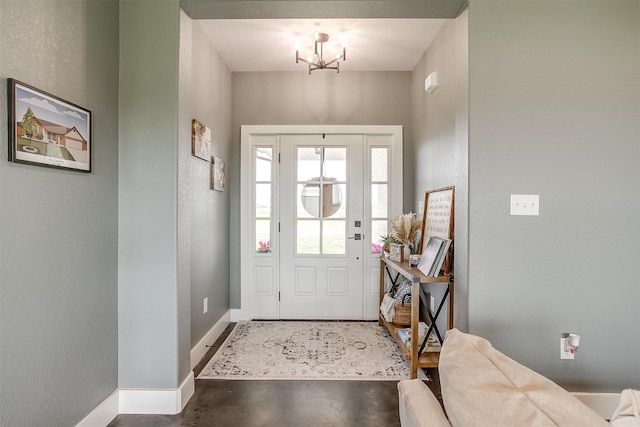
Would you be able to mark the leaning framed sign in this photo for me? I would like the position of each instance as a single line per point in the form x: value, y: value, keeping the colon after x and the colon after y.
x: 46, y: 130
x: 437, y: 219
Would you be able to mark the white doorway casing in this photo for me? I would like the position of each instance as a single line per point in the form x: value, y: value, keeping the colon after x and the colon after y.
x: 260, y: 275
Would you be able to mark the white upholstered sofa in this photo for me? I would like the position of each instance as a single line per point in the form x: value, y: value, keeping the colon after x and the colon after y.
x: 482, y: 387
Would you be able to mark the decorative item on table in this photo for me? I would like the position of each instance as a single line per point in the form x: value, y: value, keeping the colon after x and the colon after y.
x: 414, y: 259
x: 438, y: 220
x: 405, y: 334
x: 401, y: 293
x: 396, y: 304
x: 433, y: 255
x: 394, y: 311
x: 405, y: 228
x: 396, y: 252
x: 400, y: 290
x: 432, y: 345
x: 386, y: 241
x: 387, y: 307
x: 402, y: 311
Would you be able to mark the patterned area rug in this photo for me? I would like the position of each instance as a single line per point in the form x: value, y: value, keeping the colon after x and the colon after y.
x: 308, y: 350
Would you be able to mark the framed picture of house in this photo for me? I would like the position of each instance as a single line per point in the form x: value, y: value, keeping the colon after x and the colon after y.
x: 47, y: 130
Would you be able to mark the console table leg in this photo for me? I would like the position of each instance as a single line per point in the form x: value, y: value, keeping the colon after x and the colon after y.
x: 415, y: 319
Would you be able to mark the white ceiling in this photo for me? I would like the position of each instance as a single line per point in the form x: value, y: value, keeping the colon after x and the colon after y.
x: 372, y: 44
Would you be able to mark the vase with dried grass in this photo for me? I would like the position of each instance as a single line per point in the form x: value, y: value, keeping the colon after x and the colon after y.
x: 405, y: 229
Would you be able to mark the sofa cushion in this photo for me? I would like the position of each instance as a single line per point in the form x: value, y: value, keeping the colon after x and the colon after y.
x: 418, y: 406
x: 483, y: 387
x: 627, y: 413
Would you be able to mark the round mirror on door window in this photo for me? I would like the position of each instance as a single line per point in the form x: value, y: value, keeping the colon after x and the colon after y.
x: 322, y: 193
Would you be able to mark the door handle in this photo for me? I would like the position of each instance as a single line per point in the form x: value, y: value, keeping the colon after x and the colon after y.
x: 356, y: 237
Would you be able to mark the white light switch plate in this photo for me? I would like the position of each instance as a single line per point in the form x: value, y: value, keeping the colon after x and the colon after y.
x: 525, y: 204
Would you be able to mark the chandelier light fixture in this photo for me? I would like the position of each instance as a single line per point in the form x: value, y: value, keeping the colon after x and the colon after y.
x: 319, y: 63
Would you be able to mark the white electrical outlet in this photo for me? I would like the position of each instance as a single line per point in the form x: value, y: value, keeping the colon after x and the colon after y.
x: 565, y: 353
x: 205, y: 305
x: 525, y: 204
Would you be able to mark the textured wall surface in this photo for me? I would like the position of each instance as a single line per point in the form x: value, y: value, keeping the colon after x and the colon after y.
x: 58, y: 228
x: 153, y: 297
x: 440, y: 141
x: 207, y: 98
x: 543, y: 121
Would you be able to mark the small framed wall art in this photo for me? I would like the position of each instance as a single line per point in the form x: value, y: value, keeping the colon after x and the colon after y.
x: 217, y: 174
x: 47, y: 130
x: 200, y: 141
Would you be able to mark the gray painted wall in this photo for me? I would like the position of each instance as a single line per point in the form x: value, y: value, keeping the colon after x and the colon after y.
x: 554, y: 108
x: 206, y: 94
x: 440, y: 143
x: 153, y: 293
x: 58, y: 228
x: 290, y: 98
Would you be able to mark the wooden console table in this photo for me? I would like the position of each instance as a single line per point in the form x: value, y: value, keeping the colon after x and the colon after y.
x: 417, y: 278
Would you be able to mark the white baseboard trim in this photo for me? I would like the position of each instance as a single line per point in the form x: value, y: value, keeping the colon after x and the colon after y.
x: 238, y: 315
x: 187, y: 389
x: 199, y: 350
x: 141, y: 401
x: 604, y: 404
x: 104, y: 413
x: 157, y: 401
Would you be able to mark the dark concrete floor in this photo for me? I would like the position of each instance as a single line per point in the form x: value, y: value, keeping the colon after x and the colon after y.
x: 248, y: 403
x: 281, y: 403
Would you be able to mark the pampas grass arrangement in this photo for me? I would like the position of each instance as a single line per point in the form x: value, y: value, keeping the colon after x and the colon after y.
x: 405, y: 228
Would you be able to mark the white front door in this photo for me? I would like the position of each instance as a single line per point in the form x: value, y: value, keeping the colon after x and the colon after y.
x: 306, y: 193
x: 321, y: 226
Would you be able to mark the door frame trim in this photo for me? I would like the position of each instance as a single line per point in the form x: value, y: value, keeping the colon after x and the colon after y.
x: 246, y: 311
